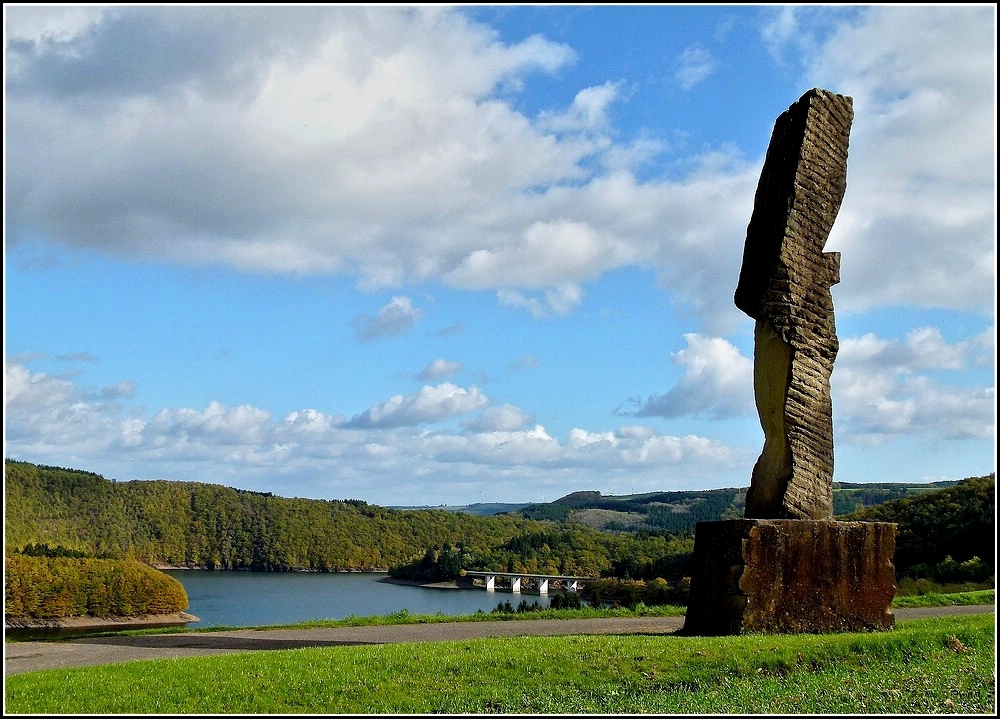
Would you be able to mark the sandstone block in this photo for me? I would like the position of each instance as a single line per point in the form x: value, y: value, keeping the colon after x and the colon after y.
x: 791, y: 576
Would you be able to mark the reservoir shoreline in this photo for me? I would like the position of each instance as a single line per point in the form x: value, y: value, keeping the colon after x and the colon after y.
x: 93, y: 623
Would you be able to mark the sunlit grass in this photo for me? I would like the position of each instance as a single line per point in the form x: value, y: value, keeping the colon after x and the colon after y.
x: 984, y: 596
x: 922, y: 666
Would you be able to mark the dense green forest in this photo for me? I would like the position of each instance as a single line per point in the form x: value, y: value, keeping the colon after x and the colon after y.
x: 941, y: 534
x: 194, y: 524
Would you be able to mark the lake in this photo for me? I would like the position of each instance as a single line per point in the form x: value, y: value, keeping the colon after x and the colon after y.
x: 228, y: 598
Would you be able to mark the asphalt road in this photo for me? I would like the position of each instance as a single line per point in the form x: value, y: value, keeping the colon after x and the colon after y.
x: 20, y: 657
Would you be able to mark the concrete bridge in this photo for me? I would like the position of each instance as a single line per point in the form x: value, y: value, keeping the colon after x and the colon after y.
x: 540, y: 581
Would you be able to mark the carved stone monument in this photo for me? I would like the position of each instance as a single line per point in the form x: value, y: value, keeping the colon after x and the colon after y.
x: 788, y: 567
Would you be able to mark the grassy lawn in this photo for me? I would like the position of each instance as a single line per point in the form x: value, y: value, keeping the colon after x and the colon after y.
x: 944, y: 665
x: 984, y: 596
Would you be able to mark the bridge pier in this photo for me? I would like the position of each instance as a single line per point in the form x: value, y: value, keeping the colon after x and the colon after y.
x: 541, y: 581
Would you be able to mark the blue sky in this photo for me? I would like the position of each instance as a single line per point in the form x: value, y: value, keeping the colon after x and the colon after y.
x: 433, y: 255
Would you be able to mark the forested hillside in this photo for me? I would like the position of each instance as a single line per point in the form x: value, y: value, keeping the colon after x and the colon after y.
x: 189, y: 523
x: 193, y: 524
x: 680, y: 511
x: 941, y: 531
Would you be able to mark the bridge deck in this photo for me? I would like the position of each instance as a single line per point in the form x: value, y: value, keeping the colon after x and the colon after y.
x: 540, y: 580
x: 525, y: 575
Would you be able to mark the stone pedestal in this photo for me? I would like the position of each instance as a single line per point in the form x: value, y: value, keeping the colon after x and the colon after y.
x: 791, y: 575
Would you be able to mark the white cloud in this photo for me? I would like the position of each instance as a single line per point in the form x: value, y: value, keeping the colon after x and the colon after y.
x: 878, y: 394
x: 439, y: 369
x: 506, y: 418
x: 588, y: 111
x: 225, y: 425
x: 717, y: 382
x: 881, y: 388
x: 696, y: 64
x: 311, y: 422
x: 559, y: 300
x: 918, y: 224
x: 49, y: 416
x: 923, y: 349
x: 429, y: 404
x: 23, y: 390
x: 532, y: 260
x: 375, y: 145
x: 382, y: 457
x: 392, y: 319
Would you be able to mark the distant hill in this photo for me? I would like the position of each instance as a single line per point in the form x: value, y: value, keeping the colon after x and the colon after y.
x: 486, y: 509
x: 681, y: 511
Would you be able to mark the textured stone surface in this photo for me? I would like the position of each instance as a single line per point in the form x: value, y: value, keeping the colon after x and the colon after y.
x: 785, y: 285
x: 791, y: 576
x: 788, y: 567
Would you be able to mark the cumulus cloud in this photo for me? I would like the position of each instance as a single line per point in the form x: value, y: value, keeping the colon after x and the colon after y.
x: 881, y: 388
x: 49, y: 416
x: 506, y: 418
x: 588, y: 111
x: 439, y: 369
x: 380, y: 453
x: 532, y: 259
x: 923, y: 349
x: 918, y: 224
x: 717, y: 383
x: 392, y: 319
x: 377, y: 145
x: 878, y: 393
x: 429, y: 404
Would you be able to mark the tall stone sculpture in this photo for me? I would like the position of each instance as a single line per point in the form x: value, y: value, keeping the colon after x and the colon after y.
x: 788, y: 566
x: 785, y: 286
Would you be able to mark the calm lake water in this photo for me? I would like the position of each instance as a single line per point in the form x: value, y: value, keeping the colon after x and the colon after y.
x: 225, y: 598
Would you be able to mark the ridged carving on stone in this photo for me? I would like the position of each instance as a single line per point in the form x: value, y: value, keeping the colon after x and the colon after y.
x: 785, y: 285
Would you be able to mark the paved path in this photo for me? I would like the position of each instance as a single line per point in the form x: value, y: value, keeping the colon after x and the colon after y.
x: 20, y: 657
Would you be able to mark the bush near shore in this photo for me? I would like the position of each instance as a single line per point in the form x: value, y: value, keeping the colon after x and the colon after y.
x: 39, y: 587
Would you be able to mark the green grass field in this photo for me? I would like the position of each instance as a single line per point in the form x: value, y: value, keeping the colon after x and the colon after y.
x: 944, y: 665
